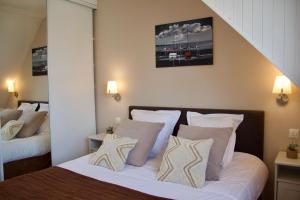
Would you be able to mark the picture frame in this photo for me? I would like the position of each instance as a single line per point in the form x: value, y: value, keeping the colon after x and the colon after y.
x: 184, y: 43
x: 39, y: 61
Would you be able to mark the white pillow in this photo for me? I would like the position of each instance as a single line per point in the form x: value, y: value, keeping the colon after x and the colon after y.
x: 44, y: 107
x: 168, y: 117
x: 28, y: 107
x: 218, y: 120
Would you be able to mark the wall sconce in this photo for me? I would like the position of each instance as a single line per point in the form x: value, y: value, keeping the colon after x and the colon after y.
x: 11, y: 88
x: 282, y: 86
x: 112, y: 89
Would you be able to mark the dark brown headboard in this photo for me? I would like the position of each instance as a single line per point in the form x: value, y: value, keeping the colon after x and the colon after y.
x: 30, y: 101
x: 250, y: 133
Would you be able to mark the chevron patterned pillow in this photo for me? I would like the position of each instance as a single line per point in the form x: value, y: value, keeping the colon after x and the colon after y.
x: 185, y: 161
x: 11, y: 129
x: 113, y: 153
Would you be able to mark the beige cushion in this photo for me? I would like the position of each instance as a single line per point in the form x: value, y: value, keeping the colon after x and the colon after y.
x: 32, y: 122
x: 218, y: 120
x: 219, y: 135
x: 45, y: 127
x: 185, y: 161
x: 7, y: 115
x: 113, y: 153
x: 11, y: 129
x: 146, y: 134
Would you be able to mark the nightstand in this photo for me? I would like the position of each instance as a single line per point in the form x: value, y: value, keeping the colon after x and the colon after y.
x: 95, y: 142
x: 287, y: 177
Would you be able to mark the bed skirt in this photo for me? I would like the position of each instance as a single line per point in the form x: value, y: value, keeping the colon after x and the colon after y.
x: 27, y: 165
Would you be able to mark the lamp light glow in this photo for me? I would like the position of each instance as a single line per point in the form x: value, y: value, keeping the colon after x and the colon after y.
x: 112, y: 89
x: 10, y: 86
x: 282, y: 86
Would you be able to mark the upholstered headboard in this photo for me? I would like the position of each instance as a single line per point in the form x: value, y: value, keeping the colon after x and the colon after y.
x: 31, y: 101
x: 250, y: 133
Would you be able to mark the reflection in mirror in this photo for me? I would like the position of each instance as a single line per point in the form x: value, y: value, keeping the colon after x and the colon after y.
x: 24, y: 122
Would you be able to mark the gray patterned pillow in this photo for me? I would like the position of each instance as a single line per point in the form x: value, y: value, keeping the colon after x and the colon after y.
x: 185, y: 161
x: 113, y: 153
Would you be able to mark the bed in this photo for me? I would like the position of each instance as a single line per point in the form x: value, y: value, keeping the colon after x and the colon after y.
x: 24, y: 155
x: 244, y: 178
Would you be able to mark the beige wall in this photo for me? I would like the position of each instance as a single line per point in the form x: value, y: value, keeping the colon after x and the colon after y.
x: 241, y: 78
x: 16, y: 35
x: 34, y: 87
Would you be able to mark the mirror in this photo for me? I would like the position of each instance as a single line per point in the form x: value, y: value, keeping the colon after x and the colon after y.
x: 23, y: 88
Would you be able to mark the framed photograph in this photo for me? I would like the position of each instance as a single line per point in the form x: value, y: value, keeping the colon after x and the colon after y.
x: 39, y: 61
x: 184, y: 43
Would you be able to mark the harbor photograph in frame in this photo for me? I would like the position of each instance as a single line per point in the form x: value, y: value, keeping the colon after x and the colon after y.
x: 39, y: 61
x: 185, y: 43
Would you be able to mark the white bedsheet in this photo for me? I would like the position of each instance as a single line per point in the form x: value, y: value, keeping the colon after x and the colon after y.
x: 20, y: 148
x: 243, y: 179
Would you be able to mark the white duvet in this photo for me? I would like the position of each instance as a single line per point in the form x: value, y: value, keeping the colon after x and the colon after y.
x: 20, y: 148
x: 243, y: 179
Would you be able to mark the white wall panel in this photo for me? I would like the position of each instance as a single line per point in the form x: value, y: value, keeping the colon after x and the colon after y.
x: 229, y: 10
x: 278, y: 33
x: 219, y: 5
x: 267, y: 16
x: 257, y: 22
x: 88, y: 3
x: 290, y: 35
x: 238, y: 14
x: 247, y: 18
x: 271, y: 26
x: 71, y: 79
x: 211, y: 4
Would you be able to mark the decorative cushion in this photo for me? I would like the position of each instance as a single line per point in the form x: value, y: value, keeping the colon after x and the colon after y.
x: 11, y: 129
x: 168, y: 117
x: 45, y: 127
x: 146, y: 134
x: 9, y: 114
x: 219, y: 135
x: 113, y: 153
x: 185, y: 161
x: 218, y: 120
x: 32, y: 122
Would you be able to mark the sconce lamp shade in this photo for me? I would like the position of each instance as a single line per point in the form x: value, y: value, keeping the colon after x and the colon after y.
x: 112, y: 87
x: 11, y: 86
x: 282, y: 85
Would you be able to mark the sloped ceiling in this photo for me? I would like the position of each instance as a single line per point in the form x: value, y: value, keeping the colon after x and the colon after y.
x: 271, y: 26
x: 19, y: 22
